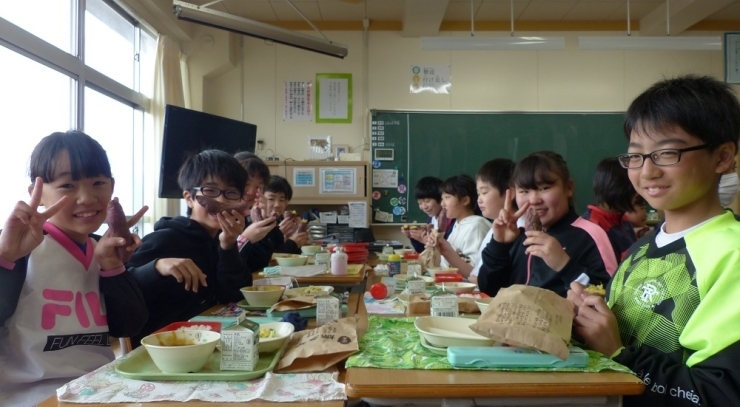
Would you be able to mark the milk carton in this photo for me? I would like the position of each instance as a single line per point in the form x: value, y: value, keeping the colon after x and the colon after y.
x: 240, y: 345
x: 328, y: 309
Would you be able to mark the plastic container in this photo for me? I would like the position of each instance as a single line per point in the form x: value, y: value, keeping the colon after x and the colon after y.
x: 394, y: 264
x: 339, y: 262
x: 415, y: 284
x: 511, y: 357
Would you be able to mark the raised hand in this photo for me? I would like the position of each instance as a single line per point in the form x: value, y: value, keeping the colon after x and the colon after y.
x: 23, y: 230
x: 184, y: 270
x: 288, y: 226
x: 105, y: 251
x: 597, y: 325
x: 232, y: 225
x: 504, y: 226
x: 547, y: 248
x: 258, y: 230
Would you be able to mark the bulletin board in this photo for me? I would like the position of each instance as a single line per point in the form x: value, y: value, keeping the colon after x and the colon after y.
x: 443, y: 144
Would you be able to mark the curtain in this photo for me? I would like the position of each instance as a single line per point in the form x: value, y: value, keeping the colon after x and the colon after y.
x: 169, y: 89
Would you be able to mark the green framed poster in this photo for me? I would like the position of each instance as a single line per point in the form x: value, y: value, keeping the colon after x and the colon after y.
x: 333, y: 98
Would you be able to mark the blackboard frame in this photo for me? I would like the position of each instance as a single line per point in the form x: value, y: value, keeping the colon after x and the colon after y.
x: 582, y: 137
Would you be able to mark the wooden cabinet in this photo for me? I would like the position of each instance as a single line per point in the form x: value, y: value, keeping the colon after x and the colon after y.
x: 325, y: 184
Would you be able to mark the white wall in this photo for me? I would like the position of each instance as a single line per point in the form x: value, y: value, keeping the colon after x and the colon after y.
x: 498, y: 80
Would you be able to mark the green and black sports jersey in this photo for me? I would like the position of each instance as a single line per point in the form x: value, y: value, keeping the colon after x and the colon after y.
x: 679, y: 317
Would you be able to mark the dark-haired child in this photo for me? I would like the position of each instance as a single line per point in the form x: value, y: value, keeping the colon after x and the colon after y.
x: 188, y: 264
x: 281, y: 239
x: 671, y: 314
x: 492, y: 182
x: 613, y: 196
x: 637, y: 217
x: 429, y: 199
x: 568, y: 248
x: 460, y: 201
x: 62, y: 293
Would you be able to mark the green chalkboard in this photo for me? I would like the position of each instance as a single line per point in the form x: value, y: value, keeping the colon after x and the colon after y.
x: 443, y: 144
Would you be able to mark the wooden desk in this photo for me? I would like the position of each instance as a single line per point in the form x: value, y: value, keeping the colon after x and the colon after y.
x: 353, y: 304
x: 386, y: 386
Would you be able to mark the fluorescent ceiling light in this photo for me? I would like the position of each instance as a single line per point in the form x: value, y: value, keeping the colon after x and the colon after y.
x: 201, y: 15
x: 491, y: 43
x: 708, y: 43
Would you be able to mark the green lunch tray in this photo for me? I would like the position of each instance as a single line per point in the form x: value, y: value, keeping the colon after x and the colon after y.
x: 138, y: 365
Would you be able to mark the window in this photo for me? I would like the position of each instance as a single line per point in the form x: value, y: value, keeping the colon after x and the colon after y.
x: 27, y: 118
x: 107, y: 101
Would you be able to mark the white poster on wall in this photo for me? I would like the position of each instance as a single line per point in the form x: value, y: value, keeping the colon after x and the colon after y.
x: 430, y: 79
x: 297, y: 101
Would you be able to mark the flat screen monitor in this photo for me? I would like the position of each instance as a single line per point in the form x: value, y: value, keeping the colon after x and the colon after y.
x: 187, y: 132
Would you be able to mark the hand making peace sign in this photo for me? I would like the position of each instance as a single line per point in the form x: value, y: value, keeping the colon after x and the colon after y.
x: 23, y: 230
x: 504, y: 227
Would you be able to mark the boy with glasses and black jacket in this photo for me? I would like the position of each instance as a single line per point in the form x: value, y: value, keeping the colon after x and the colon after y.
x: 188, y: 264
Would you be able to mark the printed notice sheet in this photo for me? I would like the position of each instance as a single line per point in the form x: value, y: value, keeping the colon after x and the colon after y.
x: 338, y: 181
x: 304, y: 177
x: 297, y: 101
x: 357, y: 214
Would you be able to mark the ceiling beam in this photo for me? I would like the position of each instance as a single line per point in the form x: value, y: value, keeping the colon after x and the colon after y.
x: 683, y: 14
x: 422, y: 18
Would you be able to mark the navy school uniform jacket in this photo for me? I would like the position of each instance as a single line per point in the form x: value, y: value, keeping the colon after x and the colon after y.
x: 257, y: 255
x: 620, y: 232
x: 166, y: 299
x: 507, y: 264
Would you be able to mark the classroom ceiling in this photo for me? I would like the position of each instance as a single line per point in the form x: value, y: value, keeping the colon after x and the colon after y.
x: 427, y: 17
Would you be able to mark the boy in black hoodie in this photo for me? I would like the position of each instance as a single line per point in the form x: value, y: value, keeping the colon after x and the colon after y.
x: 284, y: 238
x: 188, y: 264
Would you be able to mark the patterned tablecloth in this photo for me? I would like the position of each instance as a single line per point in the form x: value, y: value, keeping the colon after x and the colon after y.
x: 104, y: 385
x: 393, y: 343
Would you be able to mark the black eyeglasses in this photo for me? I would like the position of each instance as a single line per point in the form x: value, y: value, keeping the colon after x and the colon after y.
x: 663, y: 158
x: 231, y: 194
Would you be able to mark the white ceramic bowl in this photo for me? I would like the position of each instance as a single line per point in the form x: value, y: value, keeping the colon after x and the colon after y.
x: 181, y: 351
x: 458, y: 287
x: 291, y: 260
x: 310, y: 249
x: 263, y: 295
x: 450, y: 331
x: 404, y: 298
x: 283, y: 330
x: 309, y: 291
x: 401, y: 279
x: 434, y: 270
x: 482, y: 303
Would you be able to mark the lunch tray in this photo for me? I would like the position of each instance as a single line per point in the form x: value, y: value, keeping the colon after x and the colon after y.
x: 139, y: 365
x: 304, y: 312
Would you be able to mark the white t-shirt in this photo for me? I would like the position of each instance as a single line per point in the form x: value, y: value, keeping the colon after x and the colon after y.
x: 484, y: 243
x: 466, y: 237
x: 664, y: 239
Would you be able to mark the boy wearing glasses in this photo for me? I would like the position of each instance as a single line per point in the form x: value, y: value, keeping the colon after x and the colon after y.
x: 671, y: 314
x: 189, y: 264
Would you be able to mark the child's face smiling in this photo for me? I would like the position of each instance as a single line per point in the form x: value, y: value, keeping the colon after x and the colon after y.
x: 549, y: 200
x: 253, y: 190
x: 687, y: 188
x: 89, y: 200
x: 275, y: 202
x: 490, y: 200
x: 199, y: 213
x: 430, y: 206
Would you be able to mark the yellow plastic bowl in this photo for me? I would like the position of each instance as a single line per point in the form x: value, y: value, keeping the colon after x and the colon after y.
x: 182, y: 350
x: 263, y: 295
x: 292, y: 260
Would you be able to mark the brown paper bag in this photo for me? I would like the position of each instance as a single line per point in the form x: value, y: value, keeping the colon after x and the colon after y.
x: 316, y: 349
x: 529, y: 317
x: 294, y: 303
x: 419, y: 305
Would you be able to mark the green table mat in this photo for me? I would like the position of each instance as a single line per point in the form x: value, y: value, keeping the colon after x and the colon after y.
x: 393, y: 343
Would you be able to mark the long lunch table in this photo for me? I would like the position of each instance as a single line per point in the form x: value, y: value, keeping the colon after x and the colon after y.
x: 428, y: 387
x: 353, y: 304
